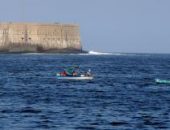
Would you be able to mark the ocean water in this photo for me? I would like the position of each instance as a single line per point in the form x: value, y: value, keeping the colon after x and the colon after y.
x: 122, y: 96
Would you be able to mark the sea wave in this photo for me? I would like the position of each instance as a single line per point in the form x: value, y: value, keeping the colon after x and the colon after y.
x: 98, y: 53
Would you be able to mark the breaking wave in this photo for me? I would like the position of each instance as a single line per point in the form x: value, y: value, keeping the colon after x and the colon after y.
x: 98, y: 53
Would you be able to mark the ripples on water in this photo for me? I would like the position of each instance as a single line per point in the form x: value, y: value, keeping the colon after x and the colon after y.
x: 122, y: 96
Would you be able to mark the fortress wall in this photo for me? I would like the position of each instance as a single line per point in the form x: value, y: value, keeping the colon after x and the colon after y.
x: 45, y: 36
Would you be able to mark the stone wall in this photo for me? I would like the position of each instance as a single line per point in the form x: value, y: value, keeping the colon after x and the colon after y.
x: 32, y: 37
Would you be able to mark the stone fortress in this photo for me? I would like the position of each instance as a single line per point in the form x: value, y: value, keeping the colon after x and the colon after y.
x: 35, y: 37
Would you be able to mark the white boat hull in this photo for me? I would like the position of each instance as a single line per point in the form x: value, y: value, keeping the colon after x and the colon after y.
x: 75, y: 78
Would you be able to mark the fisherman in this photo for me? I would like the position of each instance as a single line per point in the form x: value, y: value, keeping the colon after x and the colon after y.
x: 63, y: 73
x: 75, y: 73
x: 88, y: 73
x: 71, y: 71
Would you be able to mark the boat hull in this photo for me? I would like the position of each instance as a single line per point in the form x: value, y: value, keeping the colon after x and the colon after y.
x: 160, y: 81
x: 75, y: 78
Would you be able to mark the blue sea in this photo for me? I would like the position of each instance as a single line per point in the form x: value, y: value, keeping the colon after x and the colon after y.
x: 122, y: 96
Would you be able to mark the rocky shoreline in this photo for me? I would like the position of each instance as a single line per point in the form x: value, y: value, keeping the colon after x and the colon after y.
x: 38, y: 49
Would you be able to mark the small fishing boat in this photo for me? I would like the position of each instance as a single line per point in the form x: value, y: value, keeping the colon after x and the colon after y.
x: 161, y: 81
x: 72, y: 73
x: 75, y: 77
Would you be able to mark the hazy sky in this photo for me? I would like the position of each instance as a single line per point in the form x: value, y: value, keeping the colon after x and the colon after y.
x: 106, y: 25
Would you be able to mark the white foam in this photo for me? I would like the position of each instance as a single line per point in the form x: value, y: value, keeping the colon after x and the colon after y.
x: 98, y: 53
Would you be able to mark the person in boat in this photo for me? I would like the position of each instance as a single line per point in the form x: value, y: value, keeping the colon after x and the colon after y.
x: 71, y: 71
x: 88, y: 73
x: 75, y: 73
x: 63, y: 73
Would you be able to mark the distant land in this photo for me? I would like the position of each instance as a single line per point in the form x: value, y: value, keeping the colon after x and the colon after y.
x: 37, y: 37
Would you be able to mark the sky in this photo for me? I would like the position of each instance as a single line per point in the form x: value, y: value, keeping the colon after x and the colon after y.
x: 127, y: 26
